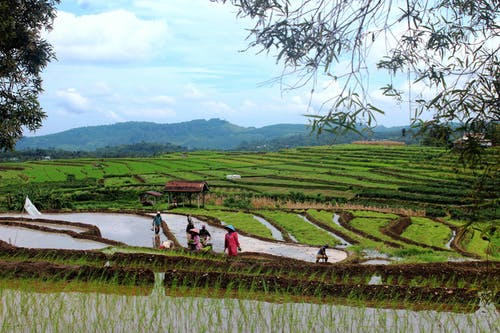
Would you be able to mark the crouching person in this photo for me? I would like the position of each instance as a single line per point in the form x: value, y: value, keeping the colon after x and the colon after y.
x: 322, y: 254
x: 166, y: 245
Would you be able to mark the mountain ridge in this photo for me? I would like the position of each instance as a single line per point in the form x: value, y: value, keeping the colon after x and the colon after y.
x: 195, y: 134
x: 213, y: 134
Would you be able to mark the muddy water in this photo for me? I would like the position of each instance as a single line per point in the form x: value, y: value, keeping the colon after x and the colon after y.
x: 375, y: 280
x: 343, y: 242
x: 23, y: 237
x: 453, y: 235
x: 275, y: 232
x: 376, y: 262
x: 177, y: 224
x: 335, y: 219
x: 136, y: 231
x: 56, y: 226
x: 130, y: 229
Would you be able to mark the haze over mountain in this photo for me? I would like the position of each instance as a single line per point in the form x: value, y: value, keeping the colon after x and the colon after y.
x: 214, y: 134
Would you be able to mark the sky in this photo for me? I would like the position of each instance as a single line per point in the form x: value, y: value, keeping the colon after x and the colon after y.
x: 168, y: 62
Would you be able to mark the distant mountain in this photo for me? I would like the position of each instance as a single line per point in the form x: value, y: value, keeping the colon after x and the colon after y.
x: 212, y: 134
x: 196, y: 134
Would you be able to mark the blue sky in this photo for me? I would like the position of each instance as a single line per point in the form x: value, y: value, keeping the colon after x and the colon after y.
x: 168, y: 62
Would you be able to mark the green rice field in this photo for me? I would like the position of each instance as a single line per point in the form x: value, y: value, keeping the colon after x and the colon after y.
x: 420, y: 233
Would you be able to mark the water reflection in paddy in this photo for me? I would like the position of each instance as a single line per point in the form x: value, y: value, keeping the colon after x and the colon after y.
x: 136, y: 231
x: 79, y: 312
x: 130, y: 229
x: 177, y: 224
x: 275, y: 232
x: 343, y: 242
x: 23, y: 237
x: 55, y: 226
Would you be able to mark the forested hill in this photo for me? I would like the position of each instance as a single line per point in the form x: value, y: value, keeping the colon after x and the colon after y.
x: 213, y: 134
x: 196, y: 134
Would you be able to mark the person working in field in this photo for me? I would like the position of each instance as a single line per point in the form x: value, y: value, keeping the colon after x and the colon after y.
x: 194, y: 243
x: 204, y: 235
x: 231, y: 243
x: 322, y: 254
x: 157, y: 223
x: 189, y: 226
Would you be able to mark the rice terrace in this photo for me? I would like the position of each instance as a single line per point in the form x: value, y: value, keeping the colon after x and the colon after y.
x: 413, y: 242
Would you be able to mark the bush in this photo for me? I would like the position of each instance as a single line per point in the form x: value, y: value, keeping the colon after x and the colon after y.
x: 83, y: 196
x: 435, y: 211
x: 241, y: 203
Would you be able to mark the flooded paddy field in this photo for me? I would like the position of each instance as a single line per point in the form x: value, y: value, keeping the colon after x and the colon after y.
x: 159, y: 312
x: 262, y: 290
x: 177, y: 225
x: 135, y: 230
x: 22, y: 237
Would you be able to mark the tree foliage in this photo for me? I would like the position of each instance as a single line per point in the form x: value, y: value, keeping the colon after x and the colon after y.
x: 437, y: 135
x: 451, y: 46
x: 23, y: 56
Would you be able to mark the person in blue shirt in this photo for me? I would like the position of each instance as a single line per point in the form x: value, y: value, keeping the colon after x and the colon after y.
x: 322, y: 254
x: 157, y: 223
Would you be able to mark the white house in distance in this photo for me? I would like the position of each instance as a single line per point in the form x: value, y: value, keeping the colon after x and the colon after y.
x: 233, y: 177
x: 478, y: 137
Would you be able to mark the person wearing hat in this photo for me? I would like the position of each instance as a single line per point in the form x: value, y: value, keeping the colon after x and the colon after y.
x: 231, y: 243
x: 157, y: 223
x: 194, y: 240
x: 322, y: 254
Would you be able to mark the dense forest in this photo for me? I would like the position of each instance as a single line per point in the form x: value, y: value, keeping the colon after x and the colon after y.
x: 143, y: 139
x: 141, y: 149
x: 213, y: 134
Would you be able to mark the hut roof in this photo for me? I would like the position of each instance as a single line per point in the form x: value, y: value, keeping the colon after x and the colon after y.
x: 153, y: 193
x: 186, y: 186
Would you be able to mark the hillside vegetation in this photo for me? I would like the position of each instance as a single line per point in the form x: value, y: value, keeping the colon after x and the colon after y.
x: 196, y: 134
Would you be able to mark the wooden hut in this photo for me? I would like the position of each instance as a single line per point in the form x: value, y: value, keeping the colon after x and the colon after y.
x: 149, y: 198
x: 181, y: 191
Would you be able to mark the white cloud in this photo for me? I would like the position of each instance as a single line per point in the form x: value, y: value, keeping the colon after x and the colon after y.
x: 72, y: 101
x: 218, y: 108
x: 162, y: 99
x: 167, y: 61
x: 150, y: 114
x: 248, y: 104
x: 114, y: 116
x: 194, y: 92
x: 326, y: 91
x: 115, y: 36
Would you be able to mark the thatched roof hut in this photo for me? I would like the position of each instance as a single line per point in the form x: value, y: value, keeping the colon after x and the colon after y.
x: 149, y: 198
x: 179, y: 191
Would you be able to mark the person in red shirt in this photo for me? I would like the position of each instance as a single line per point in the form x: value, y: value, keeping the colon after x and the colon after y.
x: 231, y: 243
